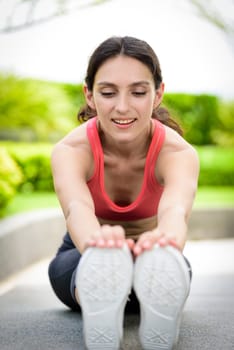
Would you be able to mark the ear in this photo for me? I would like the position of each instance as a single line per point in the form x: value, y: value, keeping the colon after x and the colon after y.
x: 89, y: 97
x: 159, y: 95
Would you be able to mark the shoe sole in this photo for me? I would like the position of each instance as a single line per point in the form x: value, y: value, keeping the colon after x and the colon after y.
x: 161, y: 283
x: 104, y: 280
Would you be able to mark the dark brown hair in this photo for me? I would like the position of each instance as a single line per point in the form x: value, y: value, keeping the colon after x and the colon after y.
x: 131, y: 47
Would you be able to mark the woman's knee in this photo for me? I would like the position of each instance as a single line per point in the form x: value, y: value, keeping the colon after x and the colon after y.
x: 60, y: 271
x: 52, y: 269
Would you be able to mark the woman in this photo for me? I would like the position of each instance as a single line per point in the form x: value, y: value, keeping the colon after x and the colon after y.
x: 126, y: 180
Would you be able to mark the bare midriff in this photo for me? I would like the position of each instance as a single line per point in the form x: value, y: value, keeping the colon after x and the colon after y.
x: 133, y: 229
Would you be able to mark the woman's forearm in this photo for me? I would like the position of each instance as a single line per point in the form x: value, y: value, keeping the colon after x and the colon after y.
x: 171, y: 230
x: 81, y: 224
x: 173, y: 224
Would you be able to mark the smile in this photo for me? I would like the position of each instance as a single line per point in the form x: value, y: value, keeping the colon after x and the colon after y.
x: 123, y: 121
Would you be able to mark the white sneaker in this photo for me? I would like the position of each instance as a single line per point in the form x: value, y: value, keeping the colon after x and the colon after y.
x: 104, y: 280
x: 162, y: 284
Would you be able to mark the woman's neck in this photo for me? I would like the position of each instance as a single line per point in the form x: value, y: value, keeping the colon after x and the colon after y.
x: 136, y: 148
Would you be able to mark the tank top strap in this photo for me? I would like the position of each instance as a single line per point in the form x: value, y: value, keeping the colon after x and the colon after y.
x: 154, y: 150
x: 94, y: 140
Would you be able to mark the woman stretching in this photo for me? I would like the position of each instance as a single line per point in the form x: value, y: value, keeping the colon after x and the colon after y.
x: 126, y: 180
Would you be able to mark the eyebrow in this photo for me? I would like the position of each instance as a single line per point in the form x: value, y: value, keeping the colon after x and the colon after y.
x: 107, y: 83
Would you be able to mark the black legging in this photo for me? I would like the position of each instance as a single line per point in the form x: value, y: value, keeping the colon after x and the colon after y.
x: 62, y: 271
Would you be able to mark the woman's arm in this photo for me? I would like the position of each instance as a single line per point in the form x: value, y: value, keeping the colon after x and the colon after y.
x: 179, y: 171
x: 71, y: 167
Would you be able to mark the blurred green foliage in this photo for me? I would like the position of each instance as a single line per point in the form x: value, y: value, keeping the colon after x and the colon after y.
x: 205, y: 119
x: 216, y: 166
x: 10, y: 177
x: 33, y: 110
x: 38, y: 113
x: 34, y: 161
x: 223, y: 135
x: 25, y: 167
x: 197, y: 114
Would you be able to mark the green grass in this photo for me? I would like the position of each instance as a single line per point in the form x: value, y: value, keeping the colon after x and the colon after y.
x: 30, y: 201
x: 212, y: 197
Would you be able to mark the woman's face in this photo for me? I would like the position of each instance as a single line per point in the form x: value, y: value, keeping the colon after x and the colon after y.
x: 124, y: 96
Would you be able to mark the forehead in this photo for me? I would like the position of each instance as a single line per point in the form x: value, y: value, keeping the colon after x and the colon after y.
x: 123, y: 69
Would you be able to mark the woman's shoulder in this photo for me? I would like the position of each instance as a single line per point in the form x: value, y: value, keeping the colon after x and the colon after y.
x: 73, y: 152
x: 75, y: 140
x: 177, y: 150
x: 176, y: 157
x: 175, y: 142
x: 74, y: 147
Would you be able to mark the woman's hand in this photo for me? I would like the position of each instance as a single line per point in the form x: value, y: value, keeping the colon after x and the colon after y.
x: 148, y: 239
x: 110, y: 237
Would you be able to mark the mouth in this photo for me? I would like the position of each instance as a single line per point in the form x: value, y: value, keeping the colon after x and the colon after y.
x: 123, y: 121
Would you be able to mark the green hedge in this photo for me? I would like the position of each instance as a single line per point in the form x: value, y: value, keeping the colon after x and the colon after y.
x: 34, y: 161
x: 216, y: 166
x: 10, y: 178
x: 25, y: 167
x: 197, y: 114
x: 223, y: 135
x: 33, y: 110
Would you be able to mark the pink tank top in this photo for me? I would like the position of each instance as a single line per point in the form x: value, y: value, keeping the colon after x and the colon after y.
x: 146, y: 203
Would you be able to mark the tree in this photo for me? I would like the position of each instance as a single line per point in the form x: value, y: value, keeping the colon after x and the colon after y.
x: 33, y: 12
x: 21, y: 14
x: 218, y: 13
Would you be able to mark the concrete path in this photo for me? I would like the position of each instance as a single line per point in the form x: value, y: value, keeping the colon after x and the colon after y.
x: 31, y: 318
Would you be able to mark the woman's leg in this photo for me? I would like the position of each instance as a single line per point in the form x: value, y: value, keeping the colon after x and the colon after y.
x: 162, y: 278
x: 133, y: 306
x: 62, y: 270
x: 104, y: 280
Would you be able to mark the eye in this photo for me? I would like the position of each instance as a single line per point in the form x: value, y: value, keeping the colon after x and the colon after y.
x: 107, y: 94
x: 139, y: 93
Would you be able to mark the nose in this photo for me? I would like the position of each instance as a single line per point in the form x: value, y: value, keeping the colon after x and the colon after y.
x: 122, y: 104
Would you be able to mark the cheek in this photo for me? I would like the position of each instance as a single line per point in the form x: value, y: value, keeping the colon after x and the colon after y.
x: 146, y: 106
x: 103, y: 106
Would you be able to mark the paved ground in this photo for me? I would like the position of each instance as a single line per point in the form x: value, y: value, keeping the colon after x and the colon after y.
x: 31, y: 318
